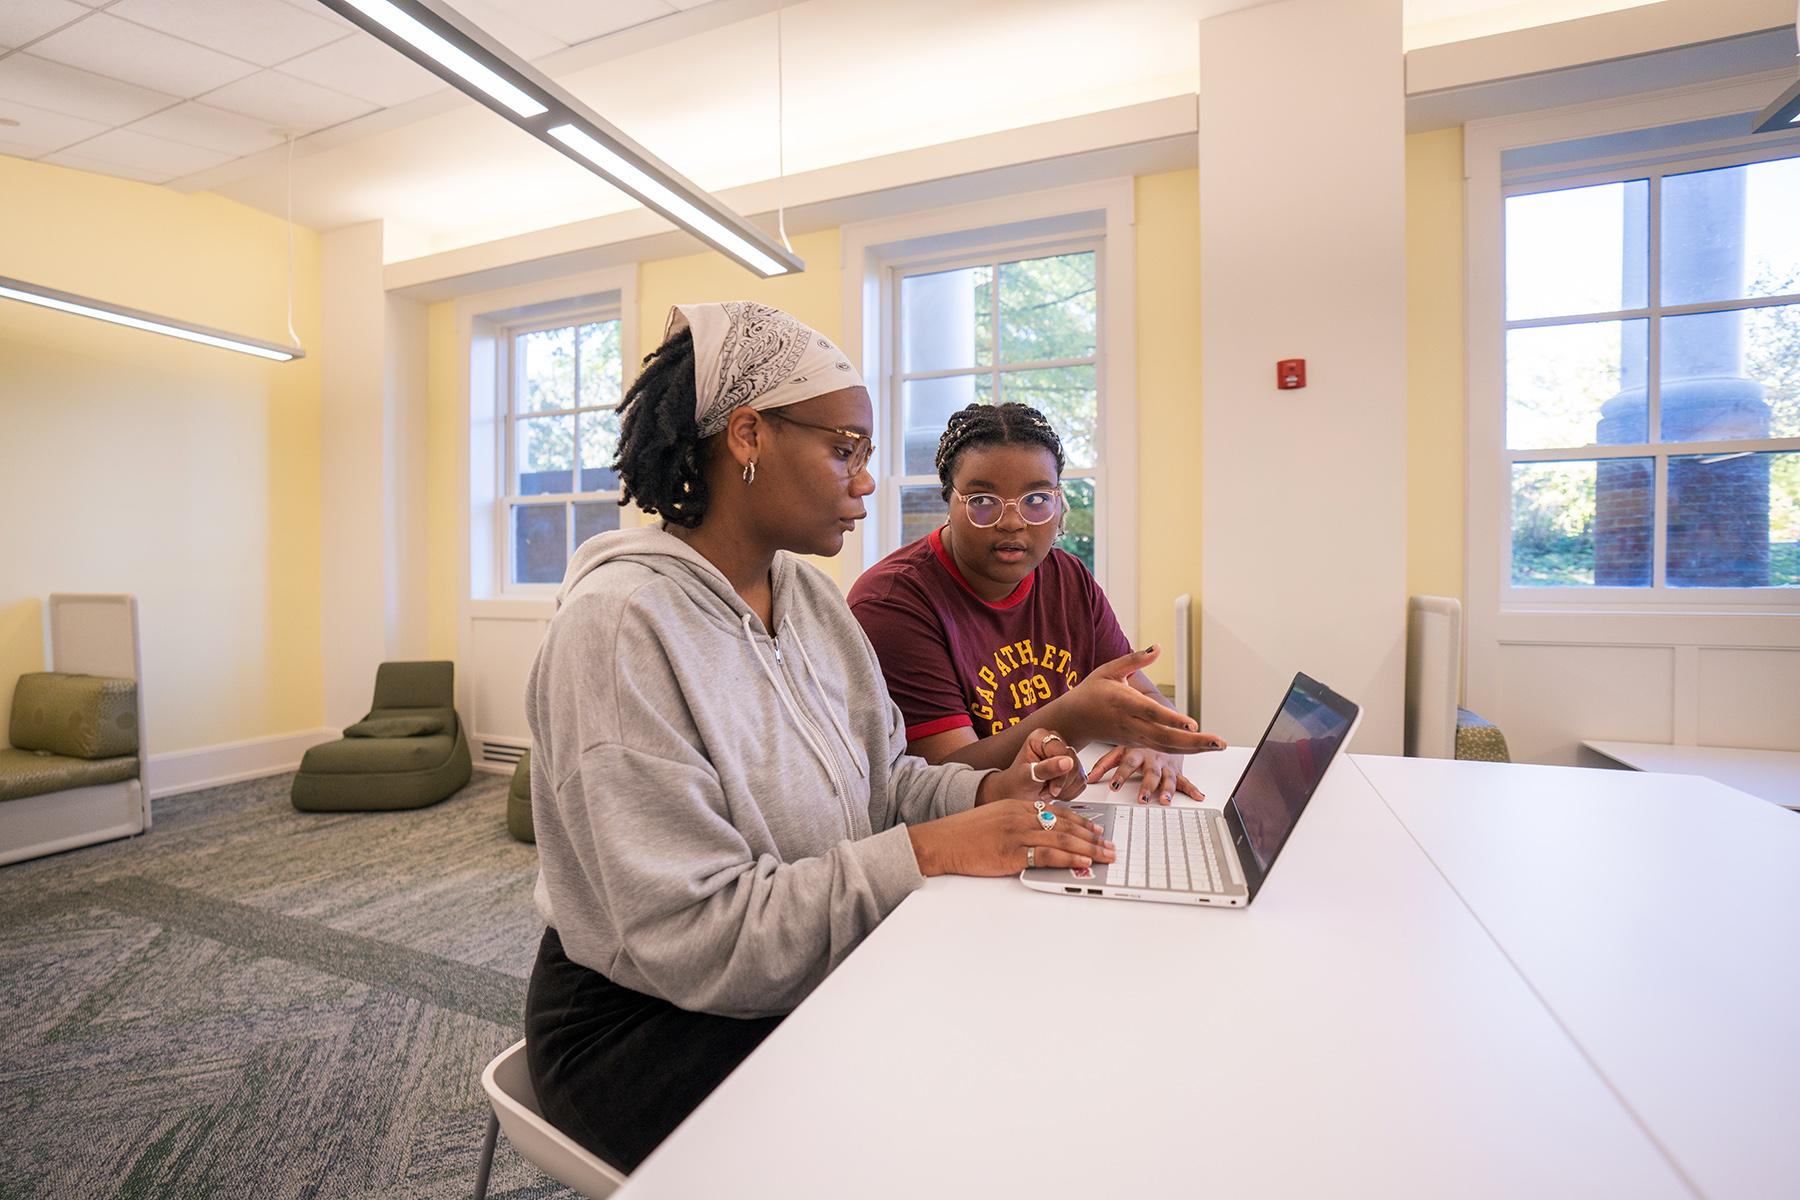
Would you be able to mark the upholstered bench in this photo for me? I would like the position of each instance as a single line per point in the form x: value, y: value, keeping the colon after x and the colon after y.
x: 72, y: 736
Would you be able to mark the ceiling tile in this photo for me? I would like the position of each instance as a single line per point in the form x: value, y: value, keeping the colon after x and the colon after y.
x: 22, y: 20
x: 120, y: 50
x: 577, y: 21
x: 66, y: 158
x: 40, y: 130
x: 263, y: 31
x: 507, y: 23
x: 43, y: 84
x: 141, y: 152
x: 286, y: 102
x: 202, y: 125
x: 366, y: 68
x: 315, y: 9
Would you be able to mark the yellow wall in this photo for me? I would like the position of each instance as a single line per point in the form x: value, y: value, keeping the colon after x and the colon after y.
x: 815, y: 296
x: 446, y: 410
x: 136, y: 463
x: 1434, y: 374
x: 1168, y: 372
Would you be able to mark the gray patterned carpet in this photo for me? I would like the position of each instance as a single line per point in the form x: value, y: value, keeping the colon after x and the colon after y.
x: 250, y: 1001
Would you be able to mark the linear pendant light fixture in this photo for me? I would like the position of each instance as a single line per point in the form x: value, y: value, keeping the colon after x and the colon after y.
x: 118, y: 314
x: 441, y: 40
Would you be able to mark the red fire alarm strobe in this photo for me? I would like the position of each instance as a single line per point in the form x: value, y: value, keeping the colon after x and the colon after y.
x: 1290, y: 373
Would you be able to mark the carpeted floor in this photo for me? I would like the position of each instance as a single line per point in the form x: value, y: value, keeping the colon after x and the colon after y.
x: 250, y: 1001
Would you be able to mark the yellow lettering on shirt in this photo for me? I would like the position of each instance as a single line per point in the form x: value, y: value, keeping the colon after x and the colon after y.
x: 988, y: 677
x: 1025, y: 654
x: 1008, y: 664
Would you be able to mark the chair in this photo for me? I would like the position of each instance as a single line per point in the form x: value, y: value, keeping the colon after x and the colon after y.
x: 1436, y: 724
x: 409, y: 752
x: 76, y: 773
x: 507, y: 1081
x: 518, y: 802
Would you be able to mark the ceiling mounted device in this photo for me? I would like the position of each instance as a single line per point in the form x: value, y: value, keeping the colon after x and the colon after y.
x: 118, y: 314
x: 441, y: 40
x: 1784, y: 113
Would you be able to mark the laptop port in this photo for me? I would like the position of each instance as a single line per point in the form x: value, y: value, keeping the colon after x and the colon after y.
x: 1095, y: 892
x: 1073, y: 891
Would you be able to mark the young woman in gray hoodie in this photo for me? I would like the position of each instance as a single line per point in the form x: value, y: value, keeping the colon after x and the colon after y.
x: 723, y: 803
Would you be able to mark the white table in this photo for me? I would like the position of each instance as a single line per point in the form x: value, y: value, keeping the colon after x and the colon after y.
x: 1660, y: 923
x: 1772, y: 774
x: 1421, y: 1002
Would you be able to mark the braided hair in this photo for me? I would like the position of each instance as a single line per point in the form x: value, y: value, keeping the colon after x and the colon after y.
x: 661, y: 456
x: 994, y: 425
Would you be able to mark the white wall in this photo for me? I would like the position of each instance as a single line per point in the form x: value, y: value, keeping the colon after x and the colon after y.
x: 372, y: 464
x: 1302, y: 255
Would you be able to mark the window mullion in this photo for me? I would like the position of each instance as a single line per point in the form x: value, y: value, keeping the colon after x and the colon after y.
x: 1659, y: 532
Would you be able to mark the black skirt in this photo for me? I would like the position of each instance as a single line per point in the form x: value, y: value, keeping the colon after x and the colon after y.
x: 618, y: 1070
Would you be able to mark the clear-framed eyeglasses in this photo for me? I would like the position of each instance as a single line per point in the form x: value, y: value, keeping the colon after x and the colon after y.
x: 861, y: 449
x: 985, y: 509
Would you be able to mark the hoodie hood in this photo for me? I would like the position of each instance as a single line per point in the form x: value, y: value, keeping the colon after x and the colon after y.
x: 656, y: 549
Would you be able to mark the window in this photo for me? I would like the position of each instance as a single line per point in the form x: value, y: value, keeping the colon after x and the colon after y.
x: 1652, y: 379
x: 1020, y: 328
x: 562, y: 425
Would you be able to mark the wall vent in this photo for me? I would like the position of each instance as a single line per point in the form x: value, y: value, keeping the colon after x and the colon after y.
x: 498, y: 752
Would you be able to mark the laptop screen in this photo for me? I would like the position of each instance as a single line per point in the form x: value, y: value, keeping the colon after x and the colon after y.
x: 1288, y: 764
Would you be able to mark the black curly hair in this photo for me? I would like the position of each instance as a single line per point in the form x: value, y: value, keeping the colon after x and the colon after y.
x: 994, y: 425
x: 662, y: 456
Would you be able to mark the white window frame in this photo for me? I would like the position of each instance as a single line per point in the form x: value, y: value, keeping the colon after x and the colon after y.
x: 1658, y: 595
x: 895, y: 479
x: 1683, y: 619
x: 512, y: 381
x: 1098, y: 216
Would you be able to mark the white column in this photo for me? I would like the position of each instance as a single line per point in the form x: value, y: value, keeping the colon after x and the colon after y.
x: 1302, y: 255
x: 372, y: 451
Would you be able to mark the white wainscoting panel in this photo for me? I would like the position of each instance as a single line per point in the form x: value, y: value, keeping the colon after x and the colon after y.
x: 502, y: 649
x: 1749, y: 697
x: 1553, y: 697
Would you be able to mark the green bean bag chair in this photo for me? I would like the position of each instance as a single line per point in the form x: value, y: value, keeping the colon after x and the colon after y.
x: 409, y: 752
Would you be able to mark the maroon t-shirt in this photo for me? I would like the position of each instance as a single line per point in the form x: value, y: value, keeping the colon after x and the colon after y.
x: 953, y: 659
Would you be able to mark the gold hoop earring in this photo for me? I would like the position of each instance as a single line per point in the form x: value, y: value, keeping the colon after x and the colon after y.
x: 750, y: 471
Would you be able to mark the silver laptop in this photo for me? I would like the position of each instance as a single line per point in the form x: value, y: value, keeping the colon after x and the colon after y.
x: 1180, y: 855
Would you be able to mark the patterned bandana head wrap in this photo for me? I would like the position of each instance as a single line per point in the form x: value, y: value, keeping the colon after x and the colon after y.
x: 748, y: 354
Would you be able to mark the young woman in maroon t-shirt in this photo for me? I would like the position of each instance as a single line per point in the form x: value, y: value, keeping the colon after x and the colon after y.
x: 986, y: 631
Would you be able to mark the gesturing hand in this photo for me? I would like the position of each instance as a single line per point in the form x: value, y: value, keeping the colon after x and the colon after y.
x: 1108, y: 709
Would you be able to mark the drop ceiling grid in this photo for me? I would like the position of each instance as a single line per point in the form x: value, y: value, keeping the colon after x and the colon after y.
x: 155, y: 90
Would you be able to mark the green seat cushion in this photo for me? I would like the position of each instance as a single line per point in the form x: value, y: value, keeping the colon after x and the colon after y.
x: 29, y: 773
x: 1478, y: 740
x: 395, y: 727
x: 377, y: 756
x: 76, y: 716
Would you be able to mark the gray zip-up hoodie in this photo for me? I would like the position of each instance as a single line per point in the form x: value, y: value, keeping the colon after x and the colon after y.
x: 719, y: 814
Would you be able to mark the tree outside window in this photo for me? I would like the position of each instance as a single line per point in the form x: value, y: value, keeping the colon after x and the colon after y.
x: 999, y: 330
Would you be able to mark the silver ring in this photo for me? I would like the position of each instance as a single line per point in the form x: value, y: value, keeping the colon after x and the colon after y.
x: 1034, y: 774
x: 1031, y: 856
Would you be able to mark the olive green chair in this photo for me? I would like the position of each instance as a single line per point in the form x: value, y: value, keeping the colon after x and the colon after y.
x: 518, y: 801
x: 409, y: 752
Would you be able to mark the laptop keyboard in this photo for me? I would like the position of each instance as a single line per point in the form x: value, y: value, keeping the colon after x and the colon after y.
x: 1163, y: 848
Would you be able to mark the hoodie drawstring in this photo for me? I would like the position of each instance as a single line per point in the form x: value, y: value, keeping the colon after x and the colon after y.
x: 830, y: 710
x: 787, y: 704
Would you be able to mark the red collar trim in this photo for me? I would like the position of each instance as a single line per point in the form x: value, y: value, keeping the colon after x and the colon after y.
x: 943, y: 556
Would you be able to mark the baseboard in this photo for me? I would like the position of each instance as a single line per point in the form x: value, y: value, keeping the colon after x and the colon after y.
x: 178, y: 771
